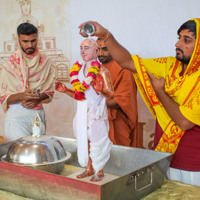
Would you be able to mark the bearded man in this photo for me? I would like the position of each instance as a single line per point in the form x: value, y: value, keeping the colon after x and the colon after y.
x: 26, y: 82
x: 122, y: 108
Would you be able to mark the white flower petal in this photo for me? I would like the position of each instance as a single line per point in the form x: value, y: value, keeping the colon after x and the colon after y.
x: 88, y: 80
x: 74, y: 77
x: 80, y: 62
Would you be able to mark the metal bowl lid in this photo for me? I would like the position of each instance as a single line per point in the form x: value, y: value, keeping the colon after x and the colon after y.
x: 35, y: 151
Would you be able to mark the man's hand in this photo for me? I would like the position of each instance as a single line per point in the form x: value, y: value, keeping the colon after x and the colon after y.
x: 171, y: 107
x: 30, y: 99
x: 117, y: 51
x: 30, y: 95
x: 30, y: 103
x: 157, y: 83
x: 100, y: 31
x: 23, y: 97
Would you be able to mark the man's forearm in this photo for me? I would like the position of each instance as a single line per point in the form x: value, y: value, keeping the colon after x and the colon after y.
x: 119, y: 53
x: 15, y: 98
x: 172, y: 108
x: 19, y: 97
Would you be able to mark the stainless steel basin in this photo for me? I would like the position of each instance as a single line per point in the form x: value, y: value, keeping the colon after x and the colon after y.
x: 130, y: 173
x: 44, y: 153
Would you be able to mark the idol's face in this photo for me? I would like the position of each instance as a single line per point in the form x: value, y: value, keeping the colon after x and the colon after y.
x: 88, y: 52
x: 103, y: 53
x: 185, y: 46
x: 28, y: 43
x: 26, y: 8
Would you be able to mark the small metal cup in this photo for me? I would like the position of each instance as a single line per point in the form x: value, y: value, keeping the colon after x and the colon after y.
x: 88, y: 29
x: 37, y: 91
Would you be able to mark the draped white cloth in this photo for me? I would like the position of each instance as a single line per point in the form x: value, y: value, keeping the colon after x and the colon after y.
x: 18, y: 121
x: 91, y: 123
x: 184, y: 176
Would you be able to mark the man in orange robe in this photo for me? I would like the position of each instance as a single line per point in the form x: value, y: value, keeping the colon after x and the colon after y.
x: 122, y: 109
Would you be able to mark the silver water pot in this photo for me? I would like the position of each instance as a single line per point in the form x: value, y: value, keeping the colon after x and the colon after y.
x: 88, y: 29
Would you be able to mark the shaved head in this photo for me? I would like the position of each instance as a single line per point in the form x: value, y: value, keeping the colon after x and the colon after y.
x: 89, y: 49
x: 91, y: 42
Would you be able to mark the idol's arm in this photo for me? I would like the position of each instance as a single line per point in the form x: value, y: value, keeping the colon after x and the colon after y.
x: 60, y: 87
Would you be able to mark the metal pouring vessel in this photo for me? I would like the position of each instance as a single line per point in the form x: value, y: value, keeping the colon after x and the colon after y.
x: 88, y: 29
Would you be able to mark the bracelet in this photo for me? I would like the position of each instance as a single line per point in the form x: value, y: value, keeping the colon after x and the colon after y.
x: 108, y: 33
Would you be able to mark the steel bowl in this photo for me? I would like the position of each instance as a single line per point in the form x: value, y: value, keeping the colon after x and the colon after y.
x: 45, y: 153
x: 88, y: 29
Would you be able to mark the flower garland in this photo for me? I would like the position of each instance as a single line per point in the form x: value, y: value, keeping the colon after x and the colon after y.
x: 79, y: 87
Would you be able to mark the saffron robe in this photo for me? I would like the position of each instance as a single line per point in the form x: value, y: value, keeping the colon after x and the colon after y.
x: 123, y: 121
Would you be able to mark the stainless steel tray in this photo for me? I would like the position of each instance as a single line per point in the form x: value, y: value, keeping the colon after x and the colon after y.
x: 131, y: 173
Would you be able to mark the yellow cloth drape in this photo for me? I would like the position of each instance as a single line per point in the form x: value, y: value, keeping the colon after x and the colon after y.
x: 185, y: 90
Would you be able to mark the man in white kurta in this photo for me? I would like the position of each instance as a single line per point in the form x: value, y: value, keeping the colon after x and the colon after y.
x: 25, y: 70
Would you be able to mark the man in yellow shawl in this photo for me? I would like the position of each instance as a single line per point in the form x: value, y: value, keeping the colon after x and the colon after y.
x: 25, y: 73
x: 170, y: 87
